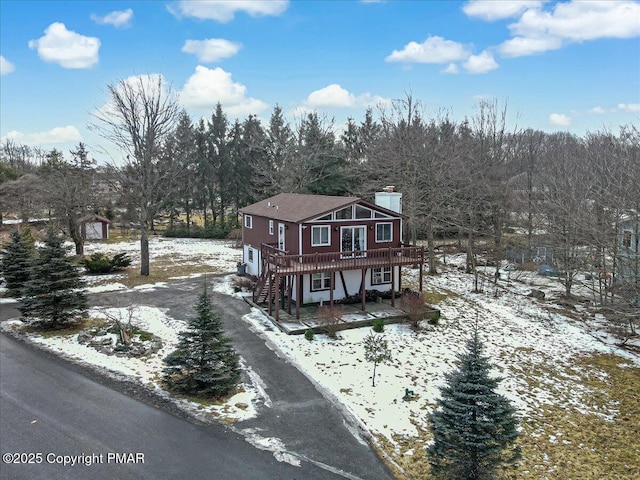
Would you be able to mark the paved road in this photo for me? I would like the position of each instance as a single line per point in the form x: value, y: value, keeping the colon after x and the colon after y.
x: 310, y: 427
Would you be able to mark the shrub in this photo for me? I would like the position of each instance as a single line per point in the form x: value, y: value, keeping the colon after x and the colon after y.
x: 378, y: 325
x: 308, y: 334
x: 242, y: 283
x: 97, y: 263
x: 413, y: 303
x: 433, y: 318
x: 329, y: 318
x: 120, y: 261
x: 100, y: 263
x: 212, y: 231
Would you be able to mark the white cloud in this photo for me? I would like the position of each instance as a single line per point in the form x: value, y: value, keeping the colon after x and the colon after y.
x: 521, y: 46
x: 481, y: 63
x: 206, y: 87
x: 599, y: 110
x: 6, y: 67
x: 559, y: 119
x: 579, y: 21
x: 629, y: 107
x: 335, y: 96
x: 491, y: 10
x: 211, y: 49
x: 224, y: 10
x: 55, y: 135
x: 432, y: 50
x: 118, y: 18
x: 331, y: 96
x: 66, y: 48
x: 452, y: 68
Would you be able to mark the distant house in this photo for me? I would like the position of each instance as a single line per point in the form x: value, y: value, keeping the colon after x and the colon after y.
x: 629, y: 249
x: 94, y: 227
x: 316, y: 248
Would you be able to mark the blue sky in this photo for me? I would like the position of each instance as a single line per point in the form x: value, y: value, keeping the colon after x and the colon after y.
x: 560, y: 66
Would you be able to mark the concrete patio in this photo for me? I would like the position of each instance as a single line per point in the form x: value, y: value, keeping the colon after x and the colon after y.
x: 352, y: 317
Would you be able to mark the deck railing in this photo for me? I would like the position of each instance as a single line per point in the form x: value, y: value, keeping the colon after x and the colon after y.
x: 280, y: 261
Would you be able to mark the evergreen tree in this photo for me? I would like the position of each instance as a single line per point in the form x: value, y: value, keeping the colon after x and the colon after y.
x: 54, y: 292
x: 15, y: 261
x: 474, y: 427
x: 204, y: 363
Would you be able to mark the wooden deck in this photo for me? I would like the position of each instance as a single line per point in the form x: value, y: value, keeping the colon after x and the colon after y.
x: 283, y: 263
x: 278, y: 264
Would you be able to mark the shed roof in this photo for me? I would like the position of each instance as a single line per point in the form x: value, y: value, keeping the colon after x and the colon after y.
x: 298, y: 207
x: 94, y: 218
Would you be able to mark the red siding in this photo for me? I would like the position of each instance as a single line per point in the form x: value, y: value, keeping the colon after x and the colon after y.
x: 335, y: 234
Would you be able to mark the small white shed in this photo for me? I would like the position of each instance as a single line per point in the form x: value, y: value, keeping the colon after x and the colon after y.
x: 94, y: 227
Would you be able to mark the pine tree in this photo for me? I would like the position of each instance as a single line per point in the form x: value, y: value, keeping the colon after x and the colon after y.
x: 204, y: 363
x: 15, y: 261
x: 474, y: 427
x: 54, y: 293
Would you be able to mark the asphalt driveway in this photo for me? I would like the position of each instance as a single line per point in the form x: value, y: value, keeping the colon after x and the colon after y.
x: 311, y: 428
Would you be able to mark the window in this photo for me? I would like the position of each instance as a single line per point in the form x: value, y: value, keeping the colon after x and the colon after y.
x: 320, y: 281
x: 380, y: 275
x: 248, y: 221
x: 324, y: 218
x: 363, y: 212
x: 344, y: 214
x: 320, y: 236
x: 270, y: 227
x: 384, y: 232
x: 250, y: 255
x: 381, y: 215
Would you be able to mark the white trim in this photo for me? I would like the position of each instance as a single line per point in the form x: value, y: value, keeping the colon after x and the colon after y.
x: 378, y: 240
x: 328, y: 242
x: 248, y: 221
x: 271, y: 229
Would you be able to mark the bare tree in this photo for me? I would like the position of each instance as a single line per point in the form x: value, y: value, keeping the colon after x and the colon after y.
x: 137, y: 117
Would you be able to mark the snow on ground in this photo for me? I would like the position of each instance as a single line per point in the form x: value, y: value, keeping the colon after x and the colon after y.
x: 185, y: 251
x: 524, y: 338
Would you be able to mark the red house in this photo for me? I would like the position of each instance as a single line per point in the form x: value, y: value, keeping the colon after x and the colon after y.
x: 316, y: 248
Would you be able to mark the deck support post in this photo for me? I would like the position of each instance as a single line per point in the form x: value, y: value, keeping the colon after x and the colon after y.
x: 298, y: 295
x: 332, y: 282
x: 363, y: 289
x: 277, y: 299
x: 393, y: 287
x: 289, y: 291
x: 270, y: 294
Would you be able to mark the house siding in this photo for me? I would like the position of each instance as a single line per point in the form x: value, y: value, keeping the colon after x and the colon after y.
x: 352, y: 280
x: 335, y: 233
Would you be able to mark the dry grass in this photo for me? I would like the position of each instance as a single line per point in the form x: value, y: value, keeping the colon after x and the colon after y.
x: 561, y: 442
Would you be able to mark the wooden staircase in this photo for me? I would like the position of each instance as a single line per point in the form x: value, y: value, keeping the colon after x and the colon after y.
x: 261, y: 290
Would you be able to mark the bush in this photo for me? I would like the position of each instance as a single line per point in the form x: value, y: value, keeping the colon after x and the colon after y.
x: 99, y: 263
x: 433, y: 318
x: 308, y: 334
x: 329, y: 318
x: 242, y: 283
x: 413, y: 303
x: 378, y: 325
x: 212, y: 231
x: 120, y: 261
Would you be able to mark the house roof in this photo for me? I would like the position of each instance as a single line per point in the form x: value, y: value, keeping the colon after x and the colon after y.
x: 297, y: 207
